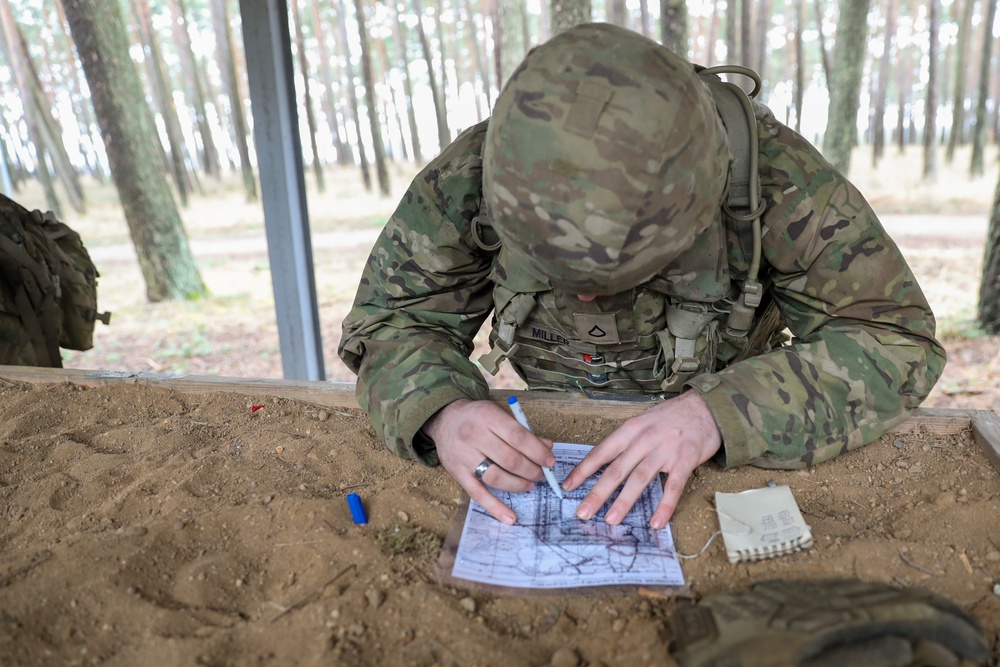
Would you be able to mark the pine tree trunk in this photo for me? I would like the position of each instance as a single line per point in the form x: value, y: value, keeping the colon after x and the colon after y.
x: 746, y: 30
x: 403, y: 63
x: 881, y: 93
x: 617, y: 13
x: 378, y: 147
x: 195, y: 87
x: 352, y: 96
x: 227, y: 66
x: 477, y: 53
x: 162, y: 89
x: 763, y: 26
x: 154, y: 222
x: 800, y: 63
x: 989, y: 287
x: 673, y: 26
x: 979, y: 130
x: 930, y: 105
x: 845, y: 86
x: 344, y: 157
x: 440, y: 112
x: 823, y: 51
x: 300, y: 47
x: 568, y: 13
x: 83, y: 111
x: 510, y: 37
x: 732, y: 37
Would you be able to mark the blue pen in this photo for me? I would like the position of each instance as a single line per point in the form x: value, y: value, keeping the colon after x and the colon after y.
x: 522, y: 419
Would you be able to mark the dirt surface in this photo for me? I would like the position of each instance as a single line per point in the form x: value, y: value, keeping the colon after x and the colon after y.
x: 143, y: 526
x: 140, y: 526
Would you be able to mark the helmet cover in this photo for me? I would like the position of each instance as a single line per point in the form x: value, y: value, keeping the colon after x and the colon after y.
x: 604, y: 160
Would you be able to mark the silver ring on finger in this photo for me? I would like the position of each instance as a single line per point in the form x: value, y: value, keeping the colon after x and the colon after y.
x: 482, y: 468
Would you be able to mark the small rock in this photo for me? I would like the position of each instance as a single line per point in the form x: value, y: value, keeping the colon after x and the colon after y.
x: 943, y: 498
x: 565, y: 657
x: 993, y: 556
x: 618, y: 625
x: 403, y: 516
x: 897, y: 443
x: 375, y: 597
x: 323, y: 415
x: 356, y: 629
x: 902, y: 534
x: 468, y: 604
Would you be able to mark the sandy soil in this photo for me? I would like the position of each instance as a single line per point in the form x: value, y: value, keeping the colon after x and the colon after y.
x: 141, y: 526
x: 144, y: 526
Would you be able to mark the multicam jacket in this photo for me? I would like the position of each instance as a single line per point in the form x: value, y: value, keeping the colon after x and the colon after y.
x: 862, y: 354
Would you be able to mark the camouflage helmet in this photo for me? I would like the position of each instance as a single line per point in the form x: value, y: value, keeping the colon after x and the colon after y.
x: 604, y: 160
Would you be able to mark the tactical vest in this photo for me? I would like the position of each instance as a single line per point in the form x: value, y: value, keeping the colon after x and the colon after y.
x: 699, y: 314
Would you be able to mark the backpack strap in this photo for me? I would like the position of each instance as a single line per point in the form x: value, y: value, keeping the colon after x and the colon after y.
x: 743, y: 202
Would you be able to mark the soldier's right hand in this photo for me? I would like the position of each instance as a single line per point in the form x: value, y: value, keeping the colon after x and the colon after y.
x: 469, y: 434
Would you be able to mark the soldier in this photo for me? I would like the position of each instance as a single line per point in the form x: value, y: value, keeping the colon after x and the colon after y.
x: 601, y: 215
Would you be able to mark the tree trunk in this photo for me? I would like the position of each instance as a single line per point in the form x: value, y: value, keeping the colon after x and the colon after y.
x: 82, y: 108
x: 989, y: 287
x: 42, y: 129
x: 300, y: 47
x: 195, y: 87
x: 845, y: 87
x: 162, y: 95
x: 378, y: 147
x: 617, y: 13
x: 352, y: 95
x: 979, y: 130
x: 732, y: 38
x: 673, y: 26
x: 403, y: 62
x: 344, y: 156
x: 746, y: 29
x: 823, y: 51
x: 713, y: 35
x: 881, y: 93
x: 568, y: 13
x: 800, y: 63
x: 154, y: 222
x: 930, y: 105
x: 509, y: 38
x: 227, y: 66
x: 763, y: 27
x: 477, y: 52
x: 644, y: 17
x: 440, y: 111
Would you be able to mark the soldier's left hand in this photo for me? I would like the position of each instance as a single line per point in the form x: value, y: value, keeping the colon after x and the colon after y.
x: 674, y: 437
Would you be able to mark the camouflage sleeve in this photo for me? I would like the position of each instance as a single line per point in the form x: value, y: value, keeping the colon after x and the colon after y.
x: 863, y: 353
x: 424, y: 294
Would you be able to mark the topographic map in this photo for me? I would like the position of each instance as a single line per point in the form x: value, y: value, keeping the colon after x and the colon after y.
x: 549, y: 547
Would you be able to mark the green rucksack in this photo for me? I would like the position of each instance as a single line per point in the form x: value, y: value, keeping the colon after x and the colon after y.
x: 48, y: 288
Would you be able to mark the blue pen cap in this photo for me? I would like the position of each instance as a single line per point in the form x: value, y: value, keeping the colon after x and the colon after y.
x: 512, y: 400
x: 357, y: 509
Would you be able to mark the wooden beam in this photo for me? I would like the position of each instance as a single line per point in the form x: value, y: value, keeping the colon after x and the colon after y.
x: 986, y: 432
x: 937, y: 421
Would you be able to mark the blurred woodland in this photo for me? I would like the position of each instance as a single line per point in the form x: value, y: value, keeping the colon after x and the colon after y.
x: 152, y: 94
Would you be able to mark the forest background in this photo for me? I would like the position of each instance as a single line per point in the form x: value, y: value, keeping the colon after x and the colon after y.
x: 149, y: 98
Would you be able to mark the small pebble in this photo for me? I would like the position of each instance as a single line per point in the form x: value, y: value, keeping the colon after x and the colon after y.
x: 323, y: 415
x: 468, y: 604
x: 902, y: 534
x: 993, y: 556
x: 375, y: 597
x: 565, y: 657
x: 618, y: 625
x: 403, y: 516
x: 944, y: 498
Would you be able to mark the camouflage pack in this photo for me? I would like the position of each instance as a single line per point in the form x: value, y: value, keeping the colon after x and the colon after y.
x: 48, y: 288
